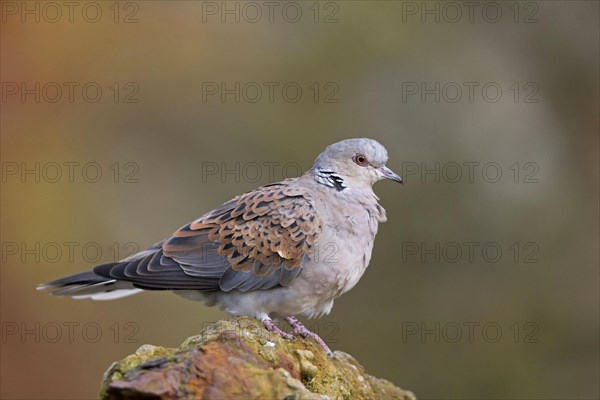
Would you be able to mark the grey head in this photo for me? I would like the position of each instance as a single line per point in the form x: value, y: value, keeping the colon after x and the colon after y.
x: 353, y: 163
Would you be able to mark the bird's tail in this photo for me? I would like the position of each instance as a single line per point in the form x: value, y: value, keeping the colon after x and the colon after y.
x: 88, y: 285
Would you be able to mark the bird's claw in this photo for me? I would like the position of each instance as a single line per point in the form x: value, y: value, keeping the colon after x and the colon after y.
x: 303, y: 331
x: 271, y: 327
x: 299, y: 329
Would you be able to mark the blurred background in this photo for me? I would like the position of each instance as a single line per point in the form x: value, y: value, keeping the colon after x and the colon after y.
x: 123, y: 121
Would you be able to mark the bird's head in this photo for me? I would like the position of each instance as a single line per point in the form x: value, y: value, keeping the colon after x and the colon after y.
x: 353, y: 163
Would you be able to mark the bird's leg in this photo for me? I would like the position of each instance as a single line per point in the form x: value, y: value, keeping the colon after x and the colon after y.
x: 300, y: 329
x: 271, y: 327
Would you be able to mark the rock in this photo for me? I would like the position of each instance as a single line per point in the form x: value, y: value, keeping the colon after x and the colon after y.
x: 240, y: 359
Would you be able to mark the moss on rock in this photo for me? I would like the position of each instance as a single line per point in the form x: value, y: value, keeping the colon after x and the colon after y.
x: 239, y: 359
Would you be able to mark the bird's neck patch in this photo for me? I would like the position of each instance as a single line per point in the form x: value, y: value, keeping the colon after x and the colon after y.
x: 330, y: 179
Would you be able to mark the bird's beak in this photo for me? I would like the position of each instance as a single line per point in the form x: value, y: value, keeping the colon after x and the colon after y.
x: 389, y: 174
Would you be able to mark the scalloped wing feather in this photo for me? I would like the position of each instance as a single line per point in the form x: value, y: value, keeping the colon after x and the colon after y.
x: 255, y: 241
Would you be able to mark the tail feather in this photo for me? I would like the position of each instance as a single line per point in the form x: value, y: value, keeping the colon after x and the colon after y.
x: 109, y: 295
x: 88, y: 285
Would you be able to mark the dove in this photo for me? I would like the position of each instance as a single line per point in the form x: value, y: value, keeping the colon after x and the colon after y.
x: 284, y: 249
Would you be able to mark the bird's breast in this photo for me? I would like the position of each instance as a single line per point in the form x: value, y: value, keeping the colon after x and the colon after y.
x: 343, y: 250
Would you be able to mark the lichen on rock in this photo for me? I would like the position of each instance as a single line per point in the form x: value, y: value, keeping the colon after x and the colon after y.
x: 239, y: 359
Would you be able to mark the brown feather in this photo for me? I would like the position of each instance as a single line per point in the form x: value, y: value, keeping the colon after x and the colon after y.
x: 261, y: 230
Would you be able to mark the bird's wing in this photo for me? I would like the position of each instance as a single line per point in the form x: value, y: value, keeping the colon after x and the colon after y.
x: 255, y: 241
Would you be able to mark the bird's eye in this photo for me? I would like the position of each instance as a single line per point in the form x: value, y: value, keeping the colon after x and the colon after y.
x: 360, y: 159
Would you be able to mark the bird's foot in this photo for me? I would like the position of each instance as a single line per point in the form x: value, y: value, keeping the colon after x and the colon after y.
x: 271, y: 327
x: 300, y: 329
